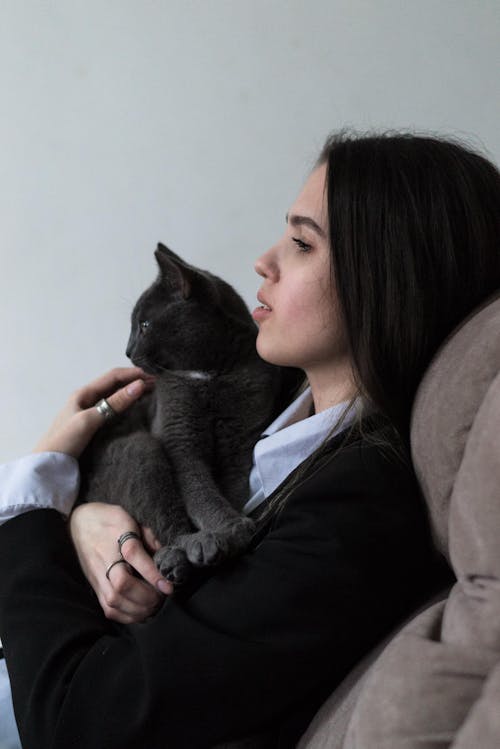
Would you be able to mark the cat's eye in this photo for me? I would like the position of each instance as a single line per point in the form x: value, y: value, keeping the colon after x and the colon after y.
x: 144, y: 325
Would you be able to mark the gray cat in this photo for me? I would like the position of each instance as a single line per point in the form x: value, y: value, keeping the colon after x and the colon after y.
x: 179, y: 459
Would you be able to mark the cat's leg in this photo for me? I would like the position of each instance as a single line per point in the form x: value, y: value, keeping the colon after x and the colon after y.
x: 222, y: 530
x: 185, y: 422
x: 233, y: 482
x: 134, y: 471
x: 223, y: 533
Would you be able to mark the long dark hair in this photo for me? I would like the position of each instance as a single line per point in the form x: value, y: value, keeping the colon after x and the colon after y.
x: 414, y: 230
x: 414, y: 224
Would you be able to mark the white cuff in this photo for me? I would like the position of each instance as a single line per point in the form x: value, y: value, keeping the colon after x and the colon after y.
x: 38, y: 481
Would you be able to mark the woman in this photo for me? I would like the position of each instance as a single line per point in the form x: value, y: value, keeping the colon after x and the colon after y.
x: 392, y: 241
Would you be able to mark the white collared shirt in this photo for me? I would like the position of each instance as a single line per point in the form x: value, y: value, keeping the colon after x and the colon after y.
x: 38, y: 481
x: 289, y: 440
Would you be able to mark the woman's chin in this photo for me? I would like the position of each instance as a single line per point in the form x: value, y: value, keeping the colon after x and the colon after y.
x: 271, y: 353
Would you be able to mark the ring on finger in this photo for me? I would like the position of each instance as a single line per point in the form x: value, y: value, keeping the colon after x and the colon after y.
x: 117, y: 561
x: 105, y: 409
x: 125, y: 537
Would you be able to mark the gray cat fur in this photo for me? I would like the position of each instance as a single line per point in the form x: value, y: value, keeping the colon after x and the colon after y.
x: 178, y: 460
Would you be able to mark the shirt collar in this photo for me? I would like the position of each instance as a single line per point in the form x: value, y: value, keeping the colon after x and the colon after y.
x: 292, y: 437
x: 298, y: 410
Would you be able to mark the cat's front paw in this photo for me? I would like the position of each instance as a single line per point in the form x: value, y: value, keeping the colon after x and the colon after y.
x: 173, y: 564
x: 238, y: 534
x: 203, y: 548
x: 206, y: 547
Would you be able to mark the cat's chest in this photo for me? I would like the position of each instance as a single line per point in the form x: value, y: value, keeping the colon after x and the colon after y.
x: 191, y: 376
x: 187, y: 399
x: 179, y: 398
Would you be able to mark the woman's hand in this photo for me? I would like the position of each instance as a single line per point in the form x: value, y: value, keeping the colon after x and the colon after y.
x: 79, y: 420
x: 95, y: 528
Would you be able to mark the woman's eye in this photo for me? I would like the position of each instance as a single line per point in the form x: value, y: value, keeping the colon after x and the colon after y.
x: 144, y: 325
x: 303, y: 246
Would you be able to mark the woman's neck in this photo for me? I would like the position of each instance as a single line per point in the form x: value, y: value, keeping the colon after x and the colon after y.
x: 331, y: 387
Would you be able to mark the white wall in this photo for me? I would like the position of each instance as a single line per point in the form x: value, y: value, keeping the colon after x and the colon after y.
x: 194, y: 122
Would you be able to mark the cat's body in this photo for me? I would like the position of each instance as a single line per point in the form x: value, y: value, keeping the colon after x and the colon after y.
x: 179, y: 460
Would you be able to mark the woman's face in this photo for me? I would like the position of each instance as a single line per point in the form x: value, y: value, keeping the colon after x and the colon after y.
x: 300, y: 328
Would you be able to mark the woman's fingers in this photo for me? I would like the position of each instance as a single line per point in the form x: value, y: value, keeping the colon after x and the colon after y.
x: 108, y: 383
x: 129, y: 598
x: 79, y: 420
x: 126, y: 598
x: 136, y: 555
x: 149, y: 539
x: 95, y: 529
x: 118, y: 402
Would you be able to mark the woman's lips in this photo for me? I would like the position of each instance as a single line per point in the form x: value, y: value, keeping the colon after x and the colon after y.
x: 261, y: 313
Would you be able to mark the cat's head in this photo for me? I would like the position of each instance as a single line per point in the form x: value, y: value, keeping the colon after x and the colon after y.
x: 187, y: 319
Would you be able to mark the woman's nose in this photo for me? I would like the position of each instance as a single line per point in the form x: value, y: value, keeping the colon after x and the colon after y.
x: 266, y: 266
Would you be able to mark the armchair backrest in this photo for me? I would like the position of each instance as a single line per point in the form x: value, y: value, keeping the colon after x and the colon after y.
x: 436, y: 682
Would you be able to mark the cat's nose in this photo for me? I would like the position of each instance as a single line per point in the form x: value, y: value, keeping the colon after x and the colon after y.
x: 130, y: 346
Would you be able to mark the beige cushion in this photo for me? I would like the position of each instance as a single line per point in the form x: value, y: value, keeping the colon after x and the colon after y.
x: 437, y: 683
x: 329, y: 726
x: 446, y: 406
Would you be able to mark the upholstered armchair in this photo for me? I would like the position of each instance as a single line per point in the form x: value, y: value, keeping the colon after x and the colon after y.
x: 435, y: 683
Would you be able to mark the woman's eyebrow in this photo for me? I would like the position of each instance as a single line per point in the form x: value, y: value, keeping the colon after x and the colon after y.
x: 295, y: 220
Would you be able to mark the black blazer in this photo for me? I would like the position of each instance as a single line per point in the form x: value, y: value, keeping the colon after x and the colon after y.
x: 255, y: 645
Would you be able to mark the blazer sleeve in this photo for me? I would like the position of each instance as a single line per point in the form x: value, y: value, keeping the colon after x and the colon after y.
x: 340, y: 565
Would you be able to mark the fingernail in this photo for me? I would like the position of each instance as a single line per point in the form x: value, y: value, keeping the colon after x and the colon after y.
x: 135, y: 387
x: 164, y: 587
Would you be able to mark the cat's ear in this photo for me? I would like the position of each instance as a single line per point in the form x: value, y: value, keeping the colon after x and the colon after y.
x: 174, y: 271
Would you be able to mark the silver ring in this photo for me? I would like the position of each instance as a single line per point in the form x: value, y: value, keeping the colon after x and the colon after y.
x: 117, y: 561
x: 105, y: 409
x: 125, y: 537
